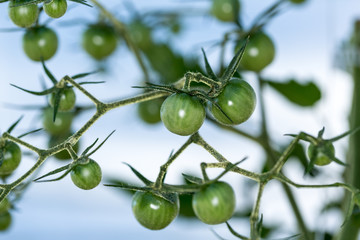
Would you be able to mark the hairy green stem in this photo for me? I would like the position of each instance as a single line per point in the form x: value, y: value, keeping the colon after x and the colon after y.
x: 254, y: 217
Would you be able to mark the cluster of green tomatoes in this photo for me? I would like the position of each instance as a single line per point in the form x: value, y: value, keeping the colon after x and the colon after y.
x: 86, y: 174
x: 213, y: 204
x: 41, y: 42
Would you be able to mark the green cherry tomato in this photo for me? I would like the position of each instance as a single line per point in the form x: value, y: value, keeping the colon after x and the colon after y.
x: 154, y: 212
x: 67, y: 100
x: 149, y: 111
x: 23, y: 16
x: 63, y: 155
x: 4, y: 206
x: 225, y: 10
x: 86, y: 176
x: 5, y: 221
x: 259, y: 52
x: 55, y: 8
x: 62, y: 124
x: 40, y: 42
x: 215, y: 203
x: 321, y: 158
x: 12, y: 158
x: 237, y: 101
x: 182, y: 114
x: 99, y: 41
x: 140, y: 34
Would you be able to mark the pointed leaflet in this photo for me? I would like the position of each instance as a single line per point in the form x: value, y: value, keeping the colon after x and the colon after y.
x: 81, y: 2
x: 82, y: 75
x: 42, y: 93
x: 58, y: 94
x: 48, y: 73
x: 139, y: 175
x: 192, y: 179
x: 95, y: 82
x: 14, y: 125
x: 233, y: 232
x: 321, y: 132
x: 33, y: 131
x: 234, y: 64
x: 127, y: 186
x: 344, y: 134
x: 66, y: 167
x: 209, y: 71
x: 100, y: 144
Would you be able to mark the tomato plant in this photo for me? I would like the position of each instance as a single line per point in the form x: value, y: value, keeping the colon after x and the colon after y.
x: 24, y: 15
x: 55, y: 8
x: 149, y: 111
x: 62, y: 123
x: 215, y: 203
x: 40, y: 43
x: 237, y: 101
x: 154, y: 212
x: 259, y: 52
x: 12, y: 158
x: 67, y: 100
x: 86, y: 176
x: 182, y: 114
x: 5, y: 221
x: 225, y: 10
x: 321, y: 158
x: 99, y: 41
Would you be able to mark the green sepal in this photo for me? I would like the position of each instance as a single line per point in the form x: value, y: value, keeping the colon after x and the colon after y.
x: 208, y: 68
x: 67, y: 168
x: 48, y: 73
x: 83, y: 2
x: 14, y: 124
x: 146, y: 181
x: 42, y: 93
x: 236, y: 234
x: 31, y: 132
x: 234, y: 64
x: 102, y: 143
x: 192, y: 179
x: 82, y: 75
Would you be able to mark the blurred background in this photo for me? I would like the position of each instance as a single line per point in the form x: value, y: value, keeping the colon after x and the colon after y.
x: 307, y: 40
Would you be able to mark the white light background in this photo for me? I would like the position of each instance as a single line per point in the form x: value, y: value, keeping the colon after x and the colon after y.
x: 306, y: 38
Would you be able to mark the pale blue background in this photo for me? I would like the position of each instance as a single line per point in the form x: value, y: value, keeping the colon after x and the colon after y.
x: 306, y: 38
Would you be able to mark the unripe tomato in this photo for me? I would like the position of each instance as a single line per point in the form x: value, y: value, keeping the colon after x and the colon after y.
x: 149, y: 111
x: 99, y: 41
x: 64, y: 154
x: 215, y: 203
x: 140, y: 34
x: 67, y: 100
x: 225, y: 10
x: 86, y: 176
x: 237, y: 100
x: 23, y: 16
x: 12, y: 158
x: 62, y: 124
x: 5, y: 221
x: 182, y: 114
x: 55, y: 8
x: 4, y: 205
x: 40, y: 42
x: 259, y: 52
x: 154, y: 212
x: 321, y: 158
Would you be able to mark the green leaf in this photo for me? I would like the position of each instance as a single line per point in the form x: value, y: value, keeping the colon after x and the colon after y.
x: 304, y: 95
